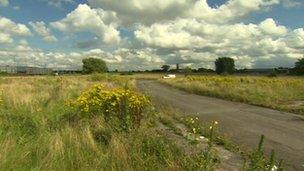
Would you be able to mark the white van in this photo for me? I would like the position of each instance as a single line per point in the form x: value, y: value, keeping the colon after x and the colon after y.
x: 169, y: 76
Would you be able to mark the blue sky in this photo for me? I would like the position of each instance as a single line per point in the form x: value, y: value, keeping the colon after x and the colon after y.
x: 284, y: 17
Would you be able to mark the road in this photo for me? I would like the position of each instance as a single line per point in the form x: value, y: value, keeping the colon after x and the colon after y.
x: 243, y: 123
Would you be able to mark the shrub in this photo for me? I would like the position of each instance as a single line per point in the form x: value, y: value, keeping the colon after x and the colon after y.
x: 121, y: 105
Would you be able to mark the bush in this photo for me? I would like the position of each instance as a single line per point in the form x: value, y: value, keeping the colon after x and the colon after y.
x: 121, y: 105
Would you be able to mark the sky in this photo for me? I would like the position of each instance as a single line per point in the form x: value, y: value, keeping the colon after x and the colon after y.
x: 146, y: 34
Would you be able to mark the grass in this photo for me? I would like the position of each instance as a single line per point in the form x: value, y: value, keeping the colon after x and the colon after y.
x: 281, y: 93
x: 38, y: 131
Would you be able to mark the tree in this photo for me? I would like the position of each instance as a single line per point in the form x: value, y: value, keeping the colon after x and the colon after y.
x: 187, y: 71
x: 299, y: 68
x: 224, y: 65
x: 165, y: 68
x: 93, y: 65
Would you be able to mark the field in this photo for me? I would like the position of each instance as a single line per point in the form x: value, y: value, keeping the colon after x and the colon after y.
x: 281, y: 93
x: 101, y: 122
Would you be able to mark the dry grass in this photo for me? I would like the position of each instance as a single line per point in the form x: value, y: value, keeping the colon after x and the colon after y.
x: 282, y: 93
x: 39, y: 132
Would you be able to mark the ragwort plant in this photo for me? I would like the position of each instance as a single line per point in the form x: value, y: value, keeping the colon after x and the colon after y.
x: 118, y: 106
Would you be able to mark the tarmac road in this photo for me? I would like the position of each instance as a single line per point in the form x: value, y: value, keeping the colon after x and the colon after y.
x: 244, y: 123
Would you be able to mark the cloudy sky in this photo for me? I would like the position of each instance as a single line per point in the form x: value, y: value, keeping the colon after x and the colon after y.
x: 145, y: 34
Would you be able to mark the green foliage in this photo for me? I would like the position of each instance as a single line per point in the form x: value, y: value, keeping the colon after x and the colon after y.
x: 187, y: 71
x: 205, y: 160
x: 4, y: 74
x: 299, y: 67
x: 93, y: 65
x: 119, y: 104
x: 224, y: 65
x: 99, y: 77
x: 159, y: 148
x: 39, y: 132
x: 259, y: 162
x: 165, y: 68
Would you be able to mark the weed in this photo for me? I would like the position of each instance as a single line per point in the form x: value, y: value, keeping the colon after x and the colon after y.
x: 122, y: 105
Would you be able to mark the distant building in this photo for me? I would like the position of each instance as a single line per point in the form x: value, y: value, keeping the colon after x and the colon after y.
x: 33, y: 70
x: 25, y: 70
x: 8, y: 69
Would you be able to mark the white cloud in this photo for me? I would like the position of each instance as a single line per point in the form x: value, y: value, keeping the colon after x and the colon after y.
x: 249, y: 43
x: 9, y: 29
x: 5, y: 38
x: 41, y: 29
x: 269, y: 26
x: 4, y: 3
x: 295, y: 39
x: 97, y: 21
x: 145, y: 12
x: 189, y: 32
x: 8, y: 26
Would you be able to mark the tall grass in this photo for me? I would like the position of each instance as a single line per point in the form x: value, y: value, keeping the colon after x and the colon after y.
x: 39, y: 132
x: 282, y: 93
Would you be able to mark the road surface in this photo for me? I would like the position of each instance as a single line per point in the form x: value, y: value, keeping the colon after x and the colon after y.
x: 244, y: 123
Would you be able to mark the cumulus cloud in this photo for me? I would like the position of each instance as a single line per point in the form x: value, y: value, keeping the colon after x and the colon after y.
x: 5, y: 38
x: 97, y: 21
x: 248, y: 43
x: 4, y: 2
x: 295, y: 39
x: 41, y: 29
x: 10, y: 29
x: 145, y: 12
x: 188, y: 32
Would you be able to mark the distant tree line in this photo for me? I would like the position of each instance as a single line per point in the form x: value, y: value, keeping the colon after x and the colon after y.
x: 223, y: 65
x: 226, y: 65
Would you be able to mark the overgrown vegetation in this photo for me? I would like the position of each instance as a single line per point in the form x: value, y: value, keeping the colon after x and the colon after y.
x: 40, y: 131
x: 98, y: 122
x: 281, y: 93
